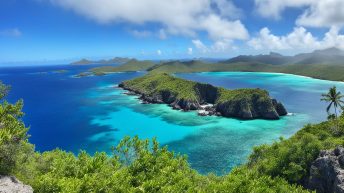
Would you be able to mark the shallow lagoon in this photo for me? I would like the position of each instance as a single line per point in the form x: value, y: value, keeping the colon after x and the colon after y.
x: 91, y: 113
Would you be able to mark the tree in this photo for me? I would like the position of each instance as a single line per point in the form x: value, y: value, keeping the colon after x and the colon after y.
x: 334, y: 99
x: 13, y: 133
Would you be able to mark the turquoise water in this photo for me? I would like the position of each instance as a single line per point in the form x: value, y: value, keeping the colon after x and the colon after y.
x: 92, y: 113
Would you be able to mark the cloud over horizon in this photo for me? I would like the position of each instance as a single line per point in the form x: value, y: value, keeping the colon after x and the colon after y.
x: 218, y: 18
x: 316, y: 13
x: 299, y: 39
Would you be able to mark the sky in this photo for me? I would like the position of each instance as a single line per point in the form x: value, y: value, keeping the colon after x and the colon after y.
x: 57, y: 31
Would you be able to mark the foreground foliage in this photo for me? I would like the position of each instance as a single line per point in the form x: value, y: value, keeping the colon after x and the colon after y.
x: 291, y: 159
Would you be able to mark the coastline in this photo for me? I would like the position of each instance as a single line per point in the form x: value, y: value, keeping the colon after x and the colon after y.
x: 252, y: 72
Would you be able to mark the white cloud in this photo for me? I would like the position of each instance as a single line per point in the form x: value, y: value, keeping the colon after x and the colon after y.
x: 162, y: 34
x: 14, y: 32
x: 274, y: 8
x: 219, y: 28
x: 219, y: 46
x: 190, y: 51
x: 177, y: 17
x: 222, y: 46
x: 298, y: 40
x: 141, y: 34
x: 159, y: 52
x: 324, y: 13
x: 200, y: 46
x: 228, y: 9
x: 316, y: 13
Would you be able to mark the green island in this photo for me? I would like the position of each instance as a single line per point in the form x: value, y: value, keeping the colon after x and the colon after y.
x: 131, y: 65
x: 60, y: 71
x: 116, y: 60
x: 287, y: 165
x: 321, y: 64
x: 211, y: 100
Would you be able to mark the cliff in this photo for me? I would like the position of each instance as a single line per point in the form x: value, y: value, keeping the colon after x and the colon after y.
x: 9, y: 184
x: 327, y: 172
x: 188, y: 95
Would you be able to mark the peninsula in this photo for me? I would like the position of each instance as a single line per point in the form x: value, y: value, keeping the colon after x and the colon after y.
x: 209, y: 100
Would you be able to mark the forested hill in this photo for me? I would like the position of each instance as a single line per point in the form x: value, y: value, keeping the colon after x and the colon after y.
x: 322, y: 64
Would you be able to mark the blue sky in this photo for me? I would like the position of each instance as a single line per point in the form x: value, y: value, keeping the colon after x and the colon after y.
x: 66, y: 30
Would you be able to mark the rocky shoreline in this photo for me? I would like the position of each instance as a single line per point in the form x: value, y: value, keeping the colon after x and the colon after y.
x: 271, y: 110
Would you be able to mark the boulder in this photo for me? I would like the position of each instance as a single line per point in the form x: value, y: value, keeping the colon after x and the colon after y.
x: 327, y: 172
x: 10, y: 184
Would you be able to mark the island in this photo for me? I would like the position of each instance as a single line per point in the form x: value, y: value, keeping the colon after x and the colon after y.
x: 207, y: 99
x: 129, y: 66
x: 116, y: 60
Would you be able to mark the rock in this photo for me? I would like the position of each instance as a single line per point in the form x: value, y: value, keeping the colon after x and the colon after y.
x: 9, y: 184
x: 327, y: 173
x: 130, y: 93
x: 203, y: 113
x: 279, y: 108
x: 244, y: 110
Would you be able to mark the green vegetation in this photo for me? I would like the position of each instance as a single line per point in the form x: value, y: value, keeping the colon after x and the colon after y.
x: 131, y: 65
x: 116, y: 60
x: 153, y: 83
x: 13, y: 137
x: 334, y: 99
x: 322, y: 64
x: 83, y: 74
x: 189, y: 95
x: 291, y: 159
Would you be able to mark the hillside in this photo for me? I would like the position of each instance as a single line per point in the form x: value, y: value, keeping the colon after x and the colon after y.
x: 333, y: 56
x: 129, y: 66
x: 322, y: 64
x: 272, y: 58
x: 320, y: 71
x: 189, y: 95
x: 116, y: 60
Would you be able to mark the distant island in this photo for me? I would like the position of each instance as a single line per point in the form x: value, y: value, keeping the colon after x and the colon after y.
x: 207, y: 99
x: 129, y: 66
x: 116, y: 60
x: 325, y: 64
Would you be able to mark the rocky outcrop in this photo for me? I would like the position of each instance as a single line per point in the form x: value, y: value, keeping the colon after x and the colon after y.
x: 9, y: 184
x: 280, y: 109
x: 252, y: 106
x: 327, y: 172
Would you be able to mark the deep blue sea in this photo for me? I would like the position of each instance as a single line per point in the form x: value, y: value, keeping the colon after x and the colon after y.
x: 90, y: 113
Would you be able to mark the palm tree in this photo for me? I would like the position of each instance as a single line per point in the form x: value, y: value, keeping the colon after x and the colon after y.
x: 335, y: 100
